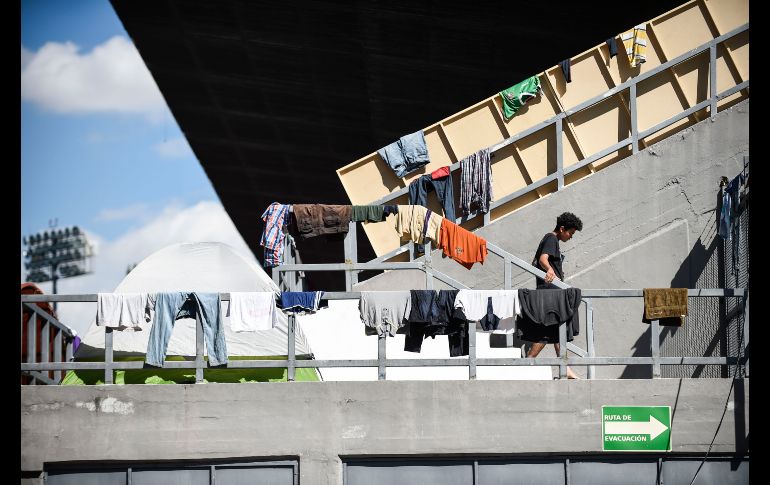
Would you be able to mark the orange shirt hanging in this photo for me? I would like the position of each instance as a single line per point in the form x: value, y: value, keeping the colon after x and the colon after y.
x: 462, y: 245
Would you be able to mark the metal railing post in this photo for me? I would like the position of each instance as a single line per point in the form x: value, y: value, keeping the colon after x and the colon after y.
x: 292, y: 361
x: 655, y: 348
x: 57, y: 341
x: 68, y: 350
x: 472, y: 350
x: 45, y: 342
x: 108, y: 356
x: 277, y: 277
x: 288, y: 276
x: 353, y: 234
x: 508, y: 271
x: 32, y: 343
x: 563, y: 350
x: 349, y: 258
x: 200, y: 363
x: 590, y: 336
x: 381, y: 353
x: 428, y: 267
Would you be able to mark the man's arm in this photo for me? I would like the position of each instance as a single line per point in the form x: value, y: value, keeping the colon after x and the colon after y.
x: 550, y: 275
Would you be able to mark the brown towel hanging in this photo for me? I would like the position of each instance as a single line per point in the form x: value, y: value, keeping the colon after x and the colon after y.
x: 668, y: 305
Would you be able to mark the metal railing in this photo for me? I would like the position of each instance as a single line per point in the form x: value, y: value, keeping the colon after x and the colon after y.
x: 291, y: 363
x: 556, y: 123
x: 586, y: 357
x: 352, y: 267
x: 62, y: 337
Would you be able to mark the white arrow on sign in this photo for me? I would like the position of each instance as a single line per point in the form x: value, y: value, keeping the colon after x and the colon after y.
x: 653, y: 427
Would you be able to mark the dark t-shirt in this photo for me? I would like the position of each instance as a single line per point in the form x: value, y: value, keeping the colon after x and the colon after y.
x: 549, y: 245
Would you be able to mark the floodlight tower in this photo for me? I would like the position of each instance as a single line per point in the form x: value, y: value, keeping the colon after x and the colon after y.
x: 56, y: 254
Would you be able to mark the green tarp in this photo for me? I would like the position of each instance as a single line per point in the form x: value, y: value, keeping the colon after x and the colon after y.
x: 155, y: 375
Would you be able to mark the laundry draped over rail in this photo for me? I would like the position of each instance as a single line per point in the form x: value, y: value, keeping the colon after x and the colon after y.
x: 411, y: 222
x: 418, y: 314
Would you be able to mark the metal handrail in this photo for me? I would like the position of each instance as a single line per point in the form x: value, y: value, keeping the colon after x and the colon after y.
x: 62, y: 334
x: 292, y: 363
x: 352, y: 267
x: 633, y: 139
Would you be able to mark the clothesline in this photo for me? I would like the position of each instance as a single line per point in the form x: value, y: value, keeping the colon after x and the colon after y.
x: 418, y: 314
x: 413, y: 221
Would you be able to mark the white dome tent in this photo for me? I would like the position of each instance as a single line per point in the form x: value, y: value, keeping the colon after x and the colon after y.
x: 203, y: 267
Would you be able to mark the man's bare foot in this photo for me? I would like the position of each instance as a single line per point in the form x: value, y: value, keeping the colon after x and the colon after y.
x: 571, y: 374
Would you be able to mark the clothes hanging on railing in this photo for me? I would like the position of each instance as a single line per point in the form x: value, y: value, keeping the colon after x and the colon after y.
x: 383, y: 313
x: 123, y: 310
x: 411, y: 222
x: 519, y: 94
x: 612, y: 46
x: 420, y: 187
x: 475, y: 181
x: 490, y: 322
x: 316, y: 219
x: 478, y: 305
x: 420, y: 322
x: 729, y: 217
x: 565, y: 69
x: 635, y: 42
x: 276, y: 219
x: 172, y: 306
x: 462, y: 245
x: 301, y: 301
x: 388, y: 210
x: 667, y: 305
x: 543, y: 310
x: 434, y: 314
x: 367, y: 213
x: 252, y: 311
x: 440, y: 173
x: 407, y: 154
x: 729, y: 207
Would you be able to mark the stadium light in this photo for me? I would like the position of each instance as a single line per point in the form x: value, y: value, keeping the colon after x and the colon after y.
x: 58, y: 254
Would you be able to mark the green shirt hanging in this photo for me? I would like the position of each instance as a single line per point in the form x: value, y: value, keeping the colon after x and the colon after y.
x: 516, y: 96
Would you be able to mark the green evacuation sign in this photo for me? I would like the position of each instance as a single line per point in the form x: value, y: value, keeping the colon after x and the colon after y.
x: 636, y: 428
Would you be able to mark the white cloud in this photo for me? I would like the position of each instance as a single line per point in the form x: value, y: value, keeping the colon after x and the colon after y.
x: 26, y: 56
x: 110, y: 78
x: 133, y: 212
x: 174, y: 148
x: 205, y: 221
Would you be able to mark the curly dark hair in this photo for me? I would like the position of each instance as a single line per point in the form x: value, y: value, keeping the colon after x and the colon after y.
x: 569, y: 221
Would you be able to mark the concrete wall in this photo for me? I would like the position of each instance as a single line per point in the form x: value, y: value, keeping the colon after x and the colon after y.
x: 321, y: 421
x: 648, y: 221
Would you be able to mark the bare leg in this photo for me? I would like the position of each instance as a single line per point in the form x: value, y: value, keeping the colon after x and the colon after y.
x: 536, y: 348
x: 570, y: 373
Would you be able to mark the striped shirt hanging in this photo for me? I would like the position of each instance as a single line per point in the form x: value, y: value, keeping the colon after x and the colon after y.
x: 476, y: 181
x: 276, y: 216
x: 635, y: 42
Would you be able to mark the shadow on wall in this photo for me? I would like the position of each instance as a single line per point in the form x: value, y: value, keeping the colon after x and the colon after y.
x: 700, y: 311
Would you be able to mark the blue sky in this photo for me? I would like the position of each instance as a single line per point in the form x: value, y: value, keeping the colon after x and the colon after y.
x: 101, y: 150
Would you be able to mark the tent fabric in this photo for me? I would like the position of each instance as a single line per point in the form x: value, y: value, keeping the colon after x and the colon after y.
x: 205, y: 267
x: 187, y: 376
